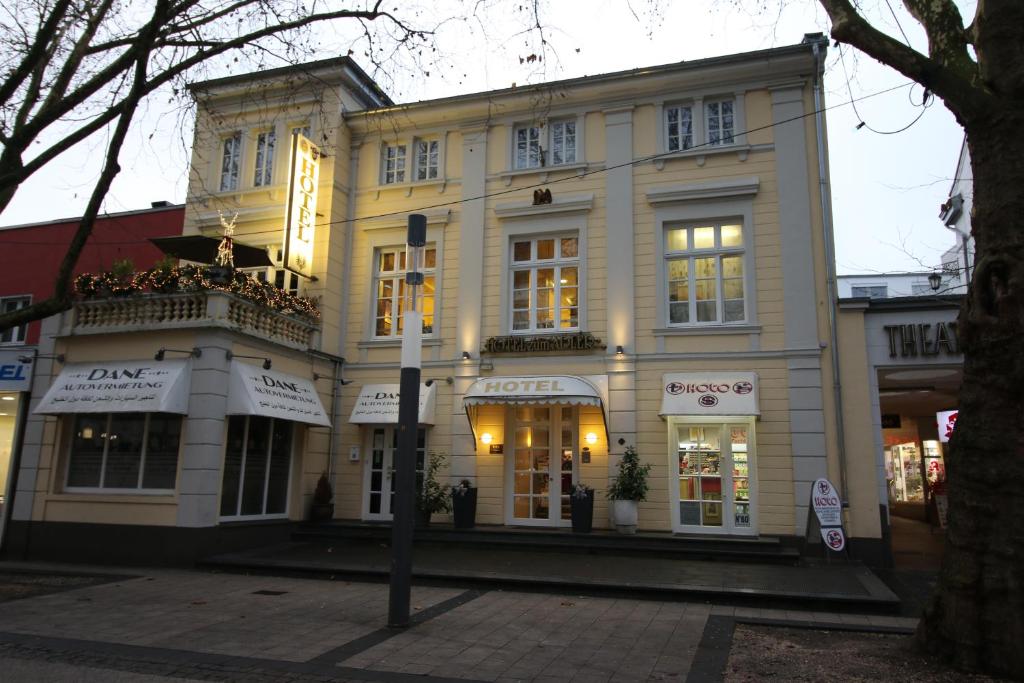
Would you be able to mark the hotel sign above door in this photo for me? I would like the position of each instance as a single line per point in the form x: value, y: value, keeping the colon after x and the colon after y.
x: 717, y: 393
x: 300, y: 214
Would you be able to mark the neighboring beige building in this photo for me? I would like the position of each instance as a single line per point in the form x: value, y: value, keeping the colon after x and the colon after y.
x: 672, y: 295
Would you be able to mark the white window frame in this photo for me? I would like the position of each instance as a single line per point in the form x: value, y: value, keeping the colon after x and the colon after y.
x: 228, y: 180
x: 394, y: 163
x: 266, y: 475
x: 546, y: 135
x: 873, y: 285
x: 387, y: 472
x: 532, y: 266
x: 691, y: 254
x: 413, y: 158
x: 698, y: 105
x: 270, y: 274
x: 679, y: 109
x: 300, y: 127
x: 721, y: 141
x: 263, y: 163
x: 748, y: 421
x: 421, y: 160
x: 737, y: 209
x: 396, y: 276
x: 20, y: 333
x: 138, y: 490
x: 554, y: 431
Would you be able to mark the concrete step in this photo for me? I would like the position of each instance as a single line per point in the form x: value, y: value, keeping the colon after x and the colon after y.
x: 599, y: 542
x: 836, y: 587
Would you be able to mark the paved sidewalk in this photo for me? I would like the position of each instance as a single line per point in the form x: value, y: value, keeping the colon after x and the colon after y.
x: 206, y: 626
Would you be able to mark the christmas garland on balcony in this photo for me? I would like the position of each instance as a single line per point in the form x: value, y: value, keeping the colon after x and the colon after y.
x: 122, y: 281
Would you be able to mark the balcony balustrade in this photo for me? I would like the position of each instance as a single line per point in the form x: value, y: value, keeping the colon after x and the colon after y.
x: 183, y: 310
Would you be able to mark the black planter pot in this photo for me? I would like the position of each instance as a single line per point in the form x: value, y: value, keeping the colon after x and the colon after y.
x: 421, y: 520
x: 464, y: 506
x: 321, y: 512
x: 582, y: 513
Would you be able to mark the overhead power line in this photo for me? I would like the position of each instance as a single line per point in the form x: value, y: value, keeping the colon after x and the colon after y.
x: 498, y: 193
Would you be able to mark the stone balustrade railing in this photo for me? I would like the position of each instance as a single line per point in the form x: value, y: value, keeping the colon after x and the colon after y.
x: 149, y: 312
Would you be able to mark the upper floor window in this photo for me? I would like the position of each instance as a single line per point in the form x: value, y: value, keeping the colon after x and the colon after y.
x: 719, y: 116
x: 545, y: 145
x: 123, y: 451
x: 394, y: 164
x: 426, y: 160
x: 276, y: 274
x: 9, y: 304
x: 545, y: 284
x: 701, y: 123
x: 679, y: 122
x: 304, y: 130
x: 231, y: 157
x: 870, y: 291
x: 389, y: 291
x: 265, y: 143
x: 704, y: 266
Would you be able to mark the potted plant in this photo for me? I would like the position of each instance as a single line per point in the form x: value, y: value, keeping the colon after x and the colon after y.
x: 629, y: 487
x: 163, y: 276
x: 464, y: 504
x: 432, y: 496
x: 323, y: 495
x: 581, y: 503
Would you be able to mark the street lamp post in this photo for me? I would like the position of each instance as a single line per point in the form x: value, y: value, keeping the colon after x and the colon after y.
x: 408, y: 422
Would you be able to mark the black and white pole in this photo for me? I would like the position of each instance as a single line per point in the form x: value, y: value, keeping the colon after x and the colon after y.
x: 408, y: 421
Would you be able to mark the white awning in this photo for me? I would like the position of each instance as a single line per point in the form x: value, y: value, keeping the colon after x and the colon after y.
x: 255, y: 391
x: 378, y: 404
x: 547, y: 389
x: 566, y: 389
x: 709, y: 393
x: 122, y: 387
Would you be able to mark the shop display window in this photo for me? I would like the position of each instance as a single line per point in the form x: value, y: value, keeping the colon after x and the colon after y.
x: 713, y: 469
x: 257, y: 467
x: 124, y: 451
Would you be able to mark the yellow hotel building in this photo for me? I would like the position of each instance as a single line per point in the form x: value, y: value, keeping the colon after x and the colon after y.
x: 631, y: 259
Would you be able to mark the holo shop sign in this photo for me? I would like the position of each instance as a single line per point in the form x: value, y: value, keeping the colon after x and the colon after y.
x: 300, y: 213
x: 946, y: 423
x: 727, y: 393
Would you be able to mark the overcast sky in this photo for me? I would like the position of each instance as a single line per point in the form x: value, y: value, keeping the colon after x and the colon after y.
x: 886, y: 189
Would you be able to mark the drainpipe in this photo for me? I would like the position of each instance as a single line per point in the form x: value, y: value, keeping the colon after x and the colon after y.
x: 338, y: 363
x: 830, y: 264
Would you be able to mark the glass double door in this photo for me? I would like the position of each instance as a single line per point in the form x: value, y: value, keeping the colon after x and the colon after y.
x: 379, y: 476
x: 543, y: 464
x: 713, y: 464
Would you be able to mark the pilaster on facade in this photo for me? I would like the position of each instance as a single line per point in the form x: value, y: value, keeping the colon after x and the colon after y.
x: 204, y: 434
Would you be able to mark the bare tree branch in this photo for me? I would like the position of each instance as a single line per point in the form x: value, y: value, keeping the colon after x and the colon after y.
x: 954, y: 88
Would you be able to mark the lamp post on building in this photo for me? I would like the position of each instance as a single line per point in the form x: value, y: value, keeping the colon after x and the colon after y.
x: 408, y: 422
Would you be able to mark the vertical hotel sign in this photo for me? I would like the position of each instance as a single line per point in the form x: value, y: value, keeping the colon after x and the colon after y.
x: 300, y: 214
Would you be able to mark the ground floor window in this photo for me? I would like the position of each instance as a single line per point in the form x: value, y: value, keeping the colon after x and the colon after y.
x: 543, y: 464
x: 257, y: 467
x: 124, y: 451
x: 379, y: 481
x: 713, y: 466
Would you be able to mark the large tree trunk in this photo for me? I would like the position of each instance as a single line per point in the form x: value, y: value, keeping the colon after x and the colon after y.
x: 976, y: 616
